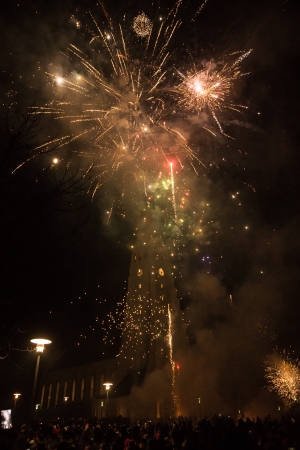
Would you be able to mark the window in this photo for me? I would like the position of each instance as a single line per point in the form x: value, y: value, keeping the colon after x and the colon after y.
x: 49, y: 395
x: 73, y: 390
x: 82, y: 389
x: 140, y: 286
x: 92, y: 388
x: 65, y: 388
x: 56, y: 394
x: 42, y: 395
x: 161, y: 285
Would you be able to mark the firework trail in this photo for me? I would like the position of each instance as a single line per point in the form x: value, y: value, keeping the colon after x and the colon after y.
x: 170, y: 338
x: 173, y: 191
x: 283, y: 377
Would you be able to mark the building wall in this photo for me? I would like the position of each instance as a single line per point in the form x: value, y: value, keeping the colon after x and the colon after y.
x: 81, y: 384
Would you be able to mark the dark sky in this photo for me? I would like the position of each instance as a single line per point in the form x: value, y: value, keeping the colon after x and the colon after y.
x: 58, y: 255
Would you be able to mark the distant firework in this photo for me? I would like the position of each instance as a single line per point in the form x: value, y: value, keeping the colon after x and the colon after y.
x: 283, y: 377
x: 142, y: 25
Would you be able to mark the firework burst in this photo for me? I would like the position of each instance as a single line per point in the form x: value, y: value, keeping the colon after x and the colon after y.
x: 209, y: 88
x: 142, y: 25
x: 283, y: 377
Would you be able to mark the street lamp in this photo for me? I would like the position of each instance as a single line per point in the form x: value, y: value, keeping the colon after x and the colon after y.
x: 40, y: 345
x: 199, y: 407
x: 65, y: 402
x: 107, y: 387
x: 16, y: 396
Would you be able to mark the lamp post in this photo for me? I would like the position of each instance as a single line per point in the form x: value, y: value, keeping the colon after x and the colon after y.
x: 107, y: 387
x: 16, y: 396
x: 40, y: 345
x: 65, y: 402
x: 199, y: 407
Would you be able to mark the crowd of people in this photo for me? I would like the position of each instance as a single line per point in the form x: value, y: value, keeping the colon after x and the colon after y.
x: 216, y: 433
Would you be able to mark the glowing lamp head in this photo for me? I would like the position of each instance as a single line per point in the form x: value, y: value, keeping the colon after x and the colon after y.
x: 40, y: 344
x: 55, y: 160
x: 66, y: 399
x: 107, y: 385
x: 59, y: 80
x: 17, y: 396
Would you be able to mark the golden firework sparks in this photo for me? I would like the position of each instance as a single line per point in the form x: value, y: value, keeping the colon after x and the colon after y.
x: 142, y: 25
x: 283, y: 376
x: 209, y: 89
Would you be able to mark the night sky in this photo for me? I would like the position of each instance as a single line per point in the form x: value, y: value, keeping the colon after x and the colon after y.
x: 63, y: 265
